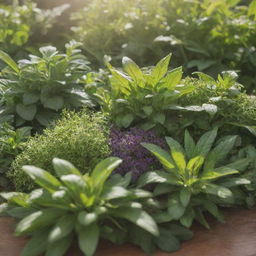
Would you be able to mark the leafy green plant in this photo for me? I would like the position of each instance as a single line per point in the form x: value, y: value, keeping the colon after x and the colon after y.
x: 75, y: 204
x: 143, y: 98
x: 194, y: 177
x: 11, y: 142
x: 22, y: 23
x: 81, y: 138
x: 37, y: 89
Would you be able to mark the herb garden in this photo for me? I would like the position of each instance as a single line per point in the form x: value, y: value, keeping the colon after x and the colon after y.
x: 125, y: 122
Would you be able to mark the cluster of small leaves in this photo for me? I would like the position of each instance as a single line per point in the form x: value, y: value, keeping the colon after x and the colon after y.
x: 22, y: 22
x: 86, y: 207
x: 35, y: 90
x: 127, y: 145
x: 81, y: 138
x: 196, y: 178
x: 11, y: 142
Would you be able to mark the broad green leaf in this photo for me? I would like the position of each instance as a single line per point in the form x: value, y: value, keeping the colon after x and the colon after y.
x: 156, y: 177
x: 148, y: 110
x: 252, y: 8
x: 217, y: 190
x: 159, y: 118
x: 75, y: 183
x: 138, y: 217
x: 37, y: 220
x: 240, y: 164
x: 119, y: 82
x: 177, y: 153
x: 103, y: 170
x: 27, y: 112
x: 88, y: 239
x: 63, y: 167
x: 204, y: 77
x: 175, y: 208
x: 159, y: 71
x: 185, y: 196
x: 173, y: 78
x: 218, y: 172
x: 166, y: 241
x: 62, y: 228
x: 115, y: 192
x: 86, y: 218
x: 53, y: 102
x: 200, y: 218
x: 220, y: 152
x: 60, y: 247
x: 180, y: 232
x: 212, y: 208
x: 19, y: 212
x: 126, y: 120
x: 131, y: 68
x: 30, y: 98
x: 16, y: 197
x: 189, y: 145
x: 37, y: 244
x: 205, y: 143
x: 232, y: 182
x: 163, y: 156
x: 9, y: 61
x: 42, y: 178
x: 187, y: 218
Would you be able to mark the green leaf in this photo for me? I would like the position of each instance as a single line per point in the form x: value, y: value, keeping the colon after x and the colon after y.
x: 189, y: 145
x: 217, y: 190
x: 53, y: 102
x: 180, y: 232
x: 42, y: 178
x: 232, y: 182
x: 30, y: 98
x: 212, y: 208
x: 126, y: 120
x: 240, y: 164
x: 37, y: 244
x: 15, y: 197
x: 159, y: 118
x: 160, y: 69
x: 252, y: 8
x: 88, y: 239
x: 74, y: 182
x: 175, y: 208
x: 173, y: 78
x: 60, y: 247
x: 166, y: 241
x: 177, y: 153
x: 185, y: 196
x: 205, y: 143
x: 62, y: 228
x: 115, y: 192
x: 132, y: 69
x: 201, y: 219
x: 148, y: 110
x: 63, y: 167
x: 194, y: 165
x: 9, y: 61
x: 204, y: 77
x: 86, y: 218
x: 37, y: 220
x: 103, y: 170
x: 219, y: 172
x: 138, y: 217
x: 187, y: 218
x: 163, y: 156
x: 27, y: 112
x: 219, y: 152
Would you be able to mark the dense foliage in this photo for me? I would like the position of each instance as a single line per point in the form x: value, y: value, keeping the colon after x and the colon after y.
x: 80, y: 138
x: 35, y: 90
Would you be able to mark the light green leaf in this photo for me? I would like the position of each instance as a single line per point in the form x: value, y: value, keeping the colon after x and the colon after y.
x: 173, y: 78
x: 115, y: 192
x: 42, y: 178
x: 132, y: 69
x: 88, y: 239
x: 63, y: 167
x: 189, y: 145
x: 9, y: 61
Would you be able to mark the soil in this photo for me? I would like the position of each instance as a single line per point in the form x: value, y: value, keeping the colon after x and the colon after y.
x: 237, y: 237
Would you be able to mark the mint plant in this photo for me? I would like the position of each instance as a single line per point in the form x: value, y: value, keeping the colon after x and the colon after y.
x: 35, y: 90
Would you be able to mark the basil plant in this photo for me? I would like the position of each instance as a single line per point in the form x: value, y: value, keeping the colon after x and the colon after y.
x: 74, y: 205
x: 194, y: 177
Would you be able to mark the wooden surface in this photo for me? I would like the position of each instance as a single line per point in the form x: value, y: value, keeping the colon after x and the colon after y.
x: 235, y: 238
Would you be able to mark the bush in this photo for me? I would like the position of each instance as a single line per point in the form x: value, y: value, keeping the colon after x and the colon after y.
x: 35, y: 90
x: 81, y: 138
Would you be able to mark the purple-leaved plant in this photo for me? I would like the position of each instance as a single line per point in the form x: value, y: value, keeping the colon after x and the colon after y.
x: 127, y: 146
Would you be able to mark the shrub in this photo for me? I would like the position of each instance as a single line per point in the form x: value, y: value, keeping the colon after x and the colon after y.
x: 194, y: 176
x: 37, y: 89
x: 136, y: 159
x: 81, y: 138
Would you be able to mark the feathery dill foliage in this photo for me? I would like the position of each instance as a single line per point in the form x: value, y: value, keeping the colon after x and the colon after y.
x: 81, y: 138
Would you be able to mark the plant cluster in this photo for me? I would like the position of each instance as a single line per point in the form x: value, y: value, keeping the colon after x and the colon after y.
x: 35, y: 90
